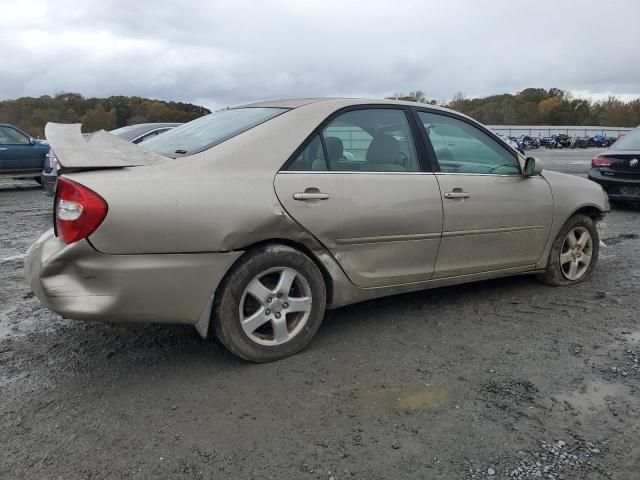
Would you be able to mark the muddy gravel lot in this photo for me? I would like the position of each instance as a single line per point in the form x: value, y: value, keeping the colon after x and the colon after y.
x: 497, y: 379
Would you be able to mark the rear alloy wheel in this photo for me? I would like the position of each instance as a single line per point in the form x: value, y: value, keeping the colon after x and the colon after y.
x: 270, y: 305
x: 275, y: 306
x: 574, y: 253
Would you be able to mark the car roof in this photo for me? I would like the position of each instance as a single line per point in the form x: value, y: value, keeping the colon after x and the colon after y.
x: 339, y: 102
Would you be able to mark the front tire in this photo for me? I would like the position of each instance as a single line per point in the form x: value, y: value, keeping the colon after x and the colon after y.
x: 270, y: 305
x: 574, y: 253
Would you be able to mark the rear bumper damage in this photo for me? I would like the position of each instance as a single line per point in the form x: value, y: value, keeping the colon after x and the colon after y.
x: 78, y: 282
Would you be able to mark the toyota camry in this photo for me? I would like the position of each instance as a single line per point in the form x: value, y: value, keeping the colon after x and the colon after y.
x: 248, y: 223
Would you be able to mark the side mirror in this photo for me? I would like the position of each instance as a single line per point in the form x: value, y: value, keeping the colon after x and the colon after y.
x: 32, y: 141
x: 532, y: 166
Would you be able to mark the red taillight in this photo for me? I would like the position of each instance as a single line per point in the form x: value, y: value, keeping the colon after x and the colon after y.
x: 79, y: 211
x: 601, y: 162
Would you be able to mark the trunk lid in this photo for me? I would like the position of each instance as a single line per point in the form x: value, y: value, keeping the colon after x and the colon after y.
x: 626, y: 164
x: 76, y: 152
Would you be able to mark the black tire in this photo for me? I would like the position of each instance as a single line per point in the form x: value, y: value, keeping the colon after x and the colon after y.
x: 38, y: 180
x: 553, y: 275
x: 226, y: 315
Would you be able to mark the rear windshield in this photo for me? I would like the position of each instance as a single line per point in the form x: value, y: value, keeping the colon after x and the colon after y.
x: 631, y: 141
x: 205, y: 132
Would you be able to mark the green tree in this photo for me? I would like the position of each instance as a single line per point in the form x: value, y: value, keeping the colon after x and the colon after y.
x: 98, y: 119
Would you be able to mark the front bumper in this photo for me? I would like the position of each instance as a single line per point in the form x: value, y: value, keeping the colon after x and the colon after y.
x: 78, y: 282
x: 617, y: 188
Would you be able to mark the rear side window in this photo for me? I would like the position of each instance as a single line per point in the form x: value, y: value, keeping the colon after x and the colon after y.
x: 206, y: 132
x: 463, y: 148
x: 311, y: 158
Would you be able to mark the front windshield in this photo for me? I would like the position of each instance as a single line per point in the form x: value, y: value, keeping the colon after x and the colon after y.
x: 631, y: 141
x: 205, y: 132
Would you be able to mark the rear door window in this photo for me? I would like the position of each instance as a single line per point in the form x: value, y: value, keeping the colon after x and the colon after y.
x: 311, y: 158
x: 371, y: 140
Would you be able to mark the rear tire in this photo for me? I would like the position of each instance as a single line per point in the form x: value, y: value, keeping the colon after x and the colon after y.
x: 270, y: 305
x: 574, y: 253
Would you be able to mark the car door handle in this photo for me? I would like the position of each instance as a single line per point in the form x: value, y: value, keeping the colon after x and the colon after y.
x: 310, y: 196
x: 3, y: 148
x: 456, y: 195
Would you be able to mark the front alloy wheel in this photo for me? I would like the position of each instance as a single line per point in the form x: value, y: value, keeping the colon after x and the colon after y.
x: 576, y: 253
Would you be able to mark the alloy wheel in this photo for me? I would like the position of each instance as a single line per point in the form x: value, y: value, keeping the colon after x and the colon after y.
x: 275, y: 306
x: 576, y: 253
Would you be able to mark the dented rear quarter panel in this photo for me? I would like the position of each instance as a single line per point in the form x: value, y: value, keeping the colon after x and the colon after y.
x: 218, y: 200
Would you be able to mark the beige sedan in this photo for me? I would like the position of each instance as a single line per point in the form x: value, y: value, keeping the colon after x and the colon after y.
x: 249, y: 222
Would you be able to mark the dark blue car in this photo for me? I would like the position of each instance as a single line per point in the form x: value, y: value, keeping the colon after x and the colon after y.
x: 21, y: 156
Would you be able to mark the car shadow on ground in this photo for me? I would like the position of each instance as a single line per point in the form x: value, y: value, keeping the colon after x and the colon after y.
x: 75, y: 346
x: 7, y: 187
x: 424, y: 303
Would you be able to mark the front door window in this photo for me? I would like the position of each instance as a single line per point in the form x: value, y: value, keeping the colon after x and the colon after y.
x: 462, y: 148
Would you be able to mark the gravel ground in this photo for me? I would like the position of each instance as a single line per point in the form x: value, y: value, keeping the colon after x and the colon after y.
x: 498, y: 379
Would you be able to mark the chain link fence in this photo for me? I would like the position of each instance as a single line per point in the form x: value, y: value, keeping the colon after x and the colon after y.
x: 572, y: 131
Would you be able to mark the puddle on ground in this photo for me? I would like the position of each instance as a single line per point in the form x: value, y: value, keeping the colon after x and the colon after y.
x: 402, y: 398
x: 632, y: 336
x: 591, y: 398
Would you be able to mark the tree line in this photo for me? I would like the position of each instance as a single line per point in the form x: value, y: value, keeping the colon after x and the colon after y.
x: 537, y: 106
x: 532, y: 106
x: 32, y: 114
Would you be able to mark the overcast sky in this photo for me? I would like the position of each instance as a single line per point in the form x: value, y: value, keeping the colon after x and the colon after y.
x: 222, y: 53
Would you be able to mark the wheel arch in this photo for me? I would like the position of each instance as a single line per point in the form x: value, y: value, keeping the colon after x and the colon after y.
x: 206, y: 320
x: 592, y: 211
x: 326, y: 276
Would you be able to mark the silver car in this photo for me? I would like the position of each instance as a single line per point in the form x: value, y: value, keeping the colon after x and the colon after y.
x: 249, y: 222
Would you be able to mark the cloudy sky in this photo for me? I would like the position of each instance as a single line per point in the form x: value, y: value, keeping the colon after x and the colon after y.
x: 222, y: 53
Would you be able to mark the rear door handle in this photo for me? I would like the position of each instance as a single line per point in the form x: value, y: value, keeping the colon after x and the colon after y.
x: 310, y: 196
x: 3, y: 148
x: 456, y: 195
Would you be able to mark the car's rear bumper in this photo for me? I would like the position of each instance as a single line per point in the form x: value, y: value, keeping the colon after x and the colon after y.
x: 78, y: 282
x: 617, y: 188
